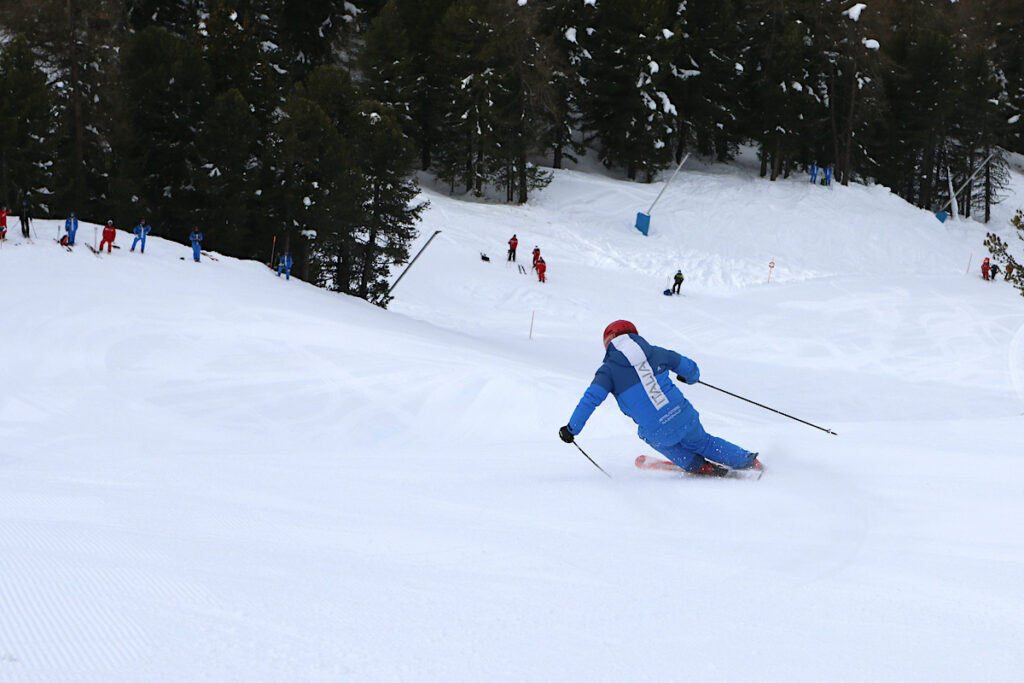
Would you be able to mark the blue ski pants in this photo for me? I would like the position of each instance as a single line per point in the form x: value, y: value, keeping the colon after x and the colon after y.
x: 196, y: 249
x: 690, y: 452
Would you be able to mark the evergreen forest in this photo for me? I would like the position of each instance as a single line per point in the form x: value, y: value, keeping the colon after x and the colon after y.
x: 308, y: 125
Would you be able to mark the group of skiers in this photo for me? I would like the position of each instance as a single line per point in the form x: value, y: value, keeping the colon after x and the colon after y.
x: 110, y: 234
x: 141, y: 231
x: 538, y: 261
x: 990, y: 270
x: 26, y: 220
x: 826, y: 174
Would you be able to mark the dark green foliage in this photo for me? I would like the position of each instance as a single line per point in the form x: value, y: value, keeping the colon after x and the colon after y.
x: 319, y: 189
x: 389, y: 211
x: 626, y: 108
x: 708, y: 78
x: 25, y: 126
x: 167, y: 92
x: 387, y: 66
x: 231, y: 209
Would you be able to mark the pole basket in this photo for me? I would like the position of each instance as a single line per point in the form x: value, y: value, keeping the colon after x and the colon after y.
x: 643, y: 222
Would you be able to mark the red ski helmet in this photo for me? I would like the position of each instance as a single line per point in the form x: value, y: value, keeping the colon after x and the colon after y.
x: 616, y: 328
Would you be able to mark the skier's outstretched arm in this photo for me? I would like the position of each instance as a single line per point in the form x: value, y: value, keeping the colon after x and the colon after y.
x: 595, y: 394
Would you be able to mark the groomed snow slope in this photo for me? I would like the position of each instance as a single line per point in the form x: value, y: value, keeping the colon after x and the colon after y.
x: 208, y: 473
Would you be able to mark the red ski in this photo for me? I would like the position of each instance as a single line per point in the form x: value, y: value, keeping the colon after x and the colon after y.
x: 645, y: 462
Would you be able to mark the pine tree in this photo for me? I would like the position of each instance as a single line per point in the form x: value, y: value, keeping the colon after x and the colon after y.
x: 780, y: 109
x: 319, y: 186
x: 167, y: 93
x: 706, y: 82
x: 559, y: 23
x: 468, y: 85
x: 387, y: 67
x: 626, y: 108
x: 75, y: 42
x: 389, y: 212
x: 230, y: 212
x: 25, y: 127
x: 523, y: 101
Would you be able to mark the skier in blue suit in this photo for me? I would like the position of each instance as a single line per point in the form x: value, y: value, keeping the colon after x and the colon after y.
x: 814, y: 173
x: 285, y: 264
x: 141, y: 230
x: 637, y: 374
x: 71, y: 225
x: 197, y: 240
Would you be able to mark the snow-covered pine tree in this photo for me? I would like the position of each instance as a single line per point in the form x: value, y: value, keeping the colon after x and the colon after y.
x: 1001, y: 253
x: 166, y: 96
x: 26, y: 151
x: 627, y: 111
x: 389, y: 210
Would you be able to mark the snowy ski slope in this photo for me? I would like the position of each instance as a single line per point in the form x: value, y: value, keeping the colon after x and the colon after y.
x: 208, y: 473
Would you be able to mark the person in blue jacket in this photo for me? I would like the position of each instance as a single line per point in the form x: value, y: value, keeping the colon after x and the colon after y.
x: 814, y: 173
x: 637, y: 374
x: 141, y: 230
x: 71, y: 225
x: 197, y: 240
x: 285, y: 264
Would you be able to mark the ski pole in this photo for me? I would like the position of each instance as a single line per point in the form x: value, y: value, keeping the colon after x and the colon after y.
x: 767, y: 408
x: 590, y: 459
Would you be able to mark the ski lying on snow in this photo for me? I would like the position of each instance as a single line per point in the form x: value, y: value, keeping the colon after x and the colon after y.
x: 646, y: 462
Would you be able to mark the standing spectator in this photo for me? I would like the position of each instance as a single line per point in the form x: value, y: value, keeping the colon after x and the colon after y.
x: 993, y: 271
x: 1009, y: 271
x: 541, y: 269
x: 285, y: 264
x: 4, y: 213
x: 26, y: 218
x: 109, y: 233
x: 512, y: 244
x: 985, y: 268
x: 827, y: 180
x: 814, y: 172
x: 677, y: 282
x: 197, y: 240
x: 536, y: 256
x: 141, y: 230
x: 71, y: 225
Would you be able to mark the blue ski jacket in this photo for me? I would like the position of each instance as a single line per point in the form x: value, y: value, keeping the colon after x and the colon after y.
x: 638, y: 375
x: 285, y: 261
x: 142, y: 230
x: 71, y: 224
x: 196, y: 237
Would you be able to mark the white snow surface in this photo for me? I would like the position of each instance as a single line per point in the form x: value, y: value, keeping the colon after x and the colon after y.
x: 209, y: 473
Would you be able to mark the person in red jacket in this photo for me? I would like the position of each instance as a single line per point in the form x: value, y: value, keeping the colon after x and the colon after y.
x: 109, y: 233
x: 541, y: 268
x: 512, y: 244
x: 536, y: 256
x: 984, y: 268
x: 4, y: 213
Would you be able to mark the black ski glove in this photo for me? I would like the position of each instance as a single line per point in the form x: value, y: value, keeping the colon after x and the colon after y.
x: 684, y: 380
x: 564, y: 434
